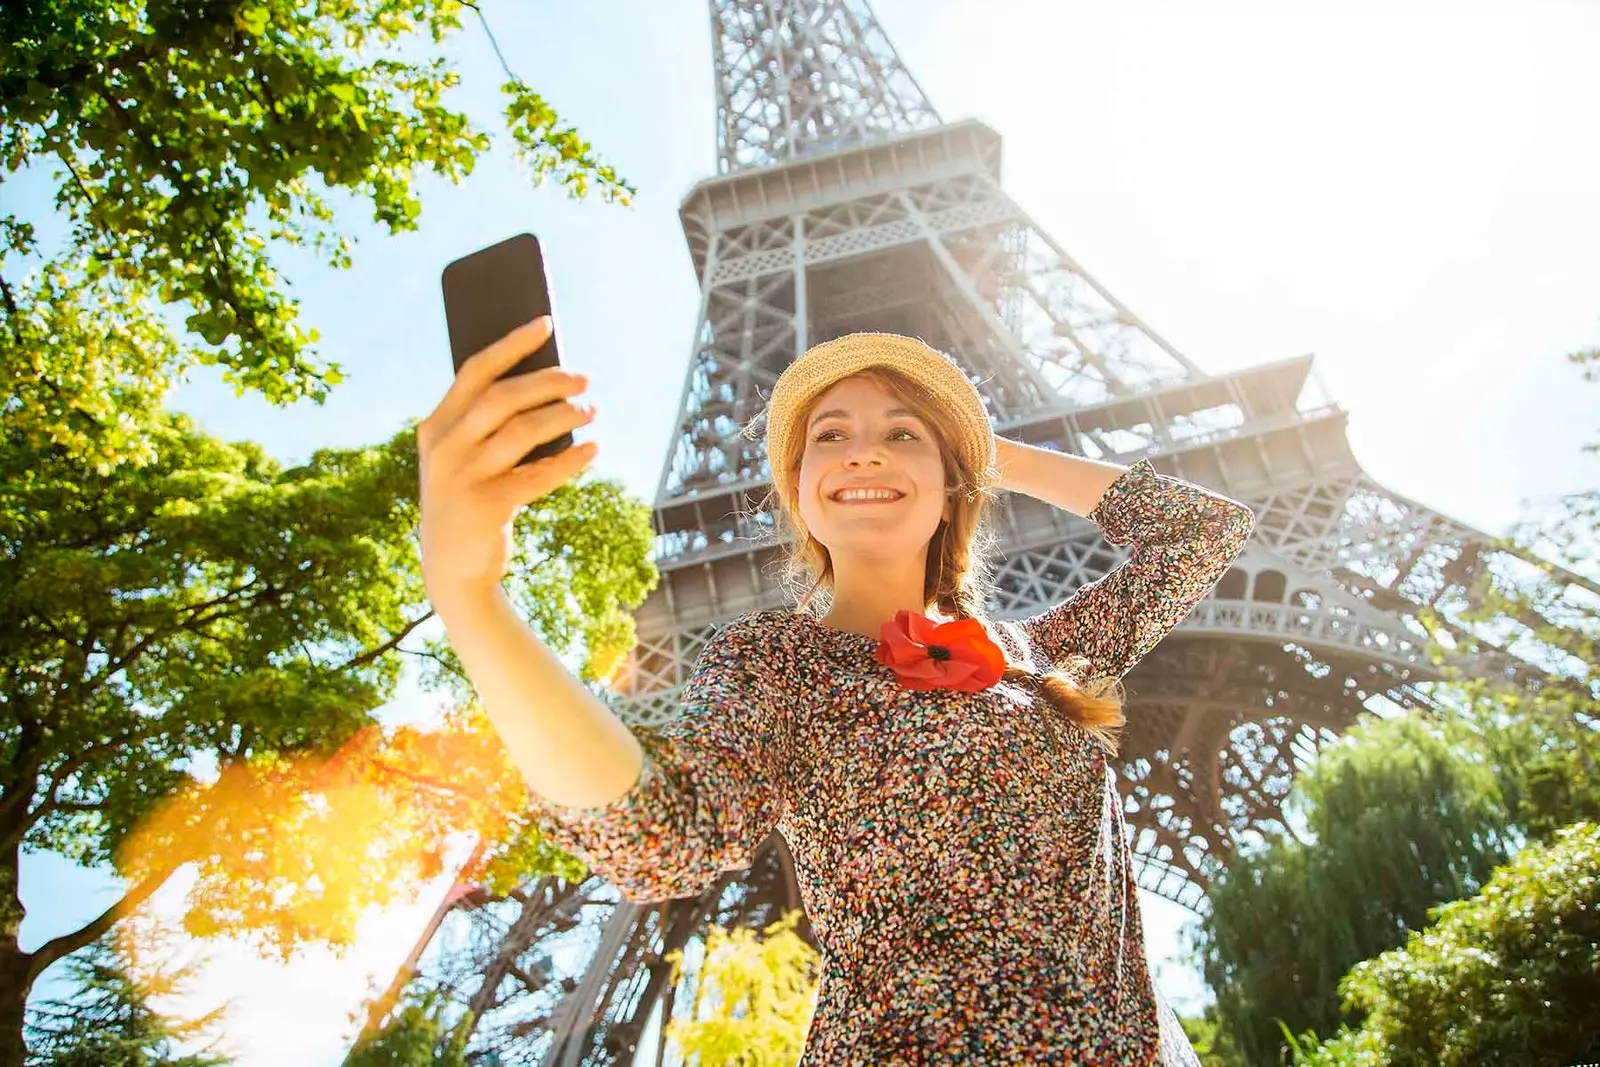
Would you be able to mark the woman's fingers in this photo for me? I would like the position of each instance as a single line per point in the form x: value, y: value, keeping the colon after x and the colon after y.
x: 469, y: 452
x: 533, y: 480
x: 480, y: 371
x: 460, y: 444
x: 512, y: 398
x: 522, y: 433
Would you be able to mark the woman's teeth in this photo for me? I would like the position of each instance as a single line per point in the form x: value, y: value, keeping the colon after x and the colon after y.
x: 853, y: 496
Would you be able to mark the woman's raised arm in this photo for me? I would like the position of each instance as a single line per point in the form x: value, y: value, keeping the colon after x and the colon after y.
x: 1184, y: 538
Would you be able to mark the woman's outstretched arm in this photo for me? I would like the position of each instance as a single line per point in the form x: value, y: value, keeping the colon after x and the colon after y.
x: 658, y: 813
x: 570, y: 747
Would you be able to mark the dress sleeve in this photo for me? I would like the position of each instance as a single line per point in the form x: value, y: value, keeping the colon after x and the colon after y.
x: 713, y: 785
x: 1184, y: 538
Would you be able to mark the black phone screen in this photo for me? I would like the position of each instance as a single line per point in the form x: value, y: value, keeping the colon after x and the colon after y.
x: 490, y: 293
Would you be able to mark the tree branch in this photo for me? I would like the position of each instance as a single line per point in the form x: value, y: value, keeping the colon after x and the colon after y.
x: 12, y: 827
x: 492, y: 42
x: 66, y: 944
x: 24, y: 781
x: 441, y: 661
x: 121, y: 662
x: 367, y: 657
x: 69, y: 805
x: 11, y: 309
x: 76, y: 177
x: 448, y: 788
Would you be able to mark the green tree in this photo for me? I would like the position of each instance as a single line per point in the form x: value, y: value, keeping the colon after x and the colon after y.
x: 190, y: 138
x: 1543, y: 747
x: 417, y: 1036
x: 1400, y: 831
x: 1211, y: 1039
x: 196, y: 638
x: 1401, y: 820
x: 1510, y: 976
x: 194, y: 652
x: 108, y: 1020
x: 760, y: 995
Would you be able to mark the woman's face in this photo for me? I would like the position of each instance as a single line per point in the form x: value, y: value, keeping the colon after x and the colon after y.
x: 859, y: 435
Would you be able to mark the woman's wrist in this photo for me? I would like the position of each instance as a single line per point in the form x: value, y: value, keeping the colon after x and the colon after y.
x: 1072, y: 483
x: 1004, y: 455
x: 464, y: 601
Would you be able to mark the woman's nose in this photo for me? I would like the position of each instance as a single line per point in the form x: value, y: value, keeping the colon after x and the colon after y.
x: 864, y: 454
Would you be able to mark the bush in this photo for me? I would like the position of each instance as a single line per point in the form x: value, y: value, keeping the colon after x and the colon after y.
x: 1510, y: 976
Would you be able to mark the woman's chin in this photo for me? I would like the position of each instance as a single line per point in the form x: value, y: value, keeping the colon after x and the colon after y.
x: 887, y: 537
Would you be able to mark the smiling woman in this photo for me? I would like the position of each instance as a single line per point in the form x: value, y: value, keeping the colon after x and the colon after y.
x: 888, y: 490
x: 943, y: 781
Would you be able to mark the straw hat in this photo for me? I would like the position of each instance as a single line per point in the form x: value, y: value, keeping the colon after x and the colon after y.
x: 947, y: 386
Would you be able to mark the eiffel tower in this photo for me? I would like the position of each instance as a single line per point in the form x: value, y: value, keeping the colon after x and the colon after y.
x: 842, y: 202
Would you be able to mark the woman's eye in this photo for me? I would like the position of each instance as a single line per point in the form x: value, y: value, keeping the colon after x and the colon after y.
x: 910, y: 434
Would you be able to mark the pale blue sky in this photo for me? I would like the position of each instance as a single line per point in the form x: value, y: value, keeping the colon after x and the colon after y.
x: 1404, y: 189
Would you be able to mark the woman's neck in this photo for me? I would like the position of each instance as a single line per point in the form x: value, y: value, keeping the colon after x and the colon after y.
x: 868, y: 593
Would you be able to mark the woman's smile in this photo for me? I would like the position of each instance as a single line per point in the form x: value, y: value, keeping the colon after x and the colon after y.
x: 866, y: 495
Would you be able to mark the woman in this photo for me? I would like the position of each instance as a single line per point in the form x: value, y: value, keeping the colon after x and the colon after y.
x: 945, y: 782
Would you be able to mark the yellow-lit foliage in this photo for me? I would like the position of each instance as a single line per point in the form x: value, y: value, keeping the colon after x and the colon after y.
x: 289, y: 851
x: 754, y: 999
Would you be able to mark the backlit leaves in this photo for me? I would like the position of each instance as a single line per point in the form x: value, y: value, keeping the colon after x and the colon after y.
x: 188, y: 137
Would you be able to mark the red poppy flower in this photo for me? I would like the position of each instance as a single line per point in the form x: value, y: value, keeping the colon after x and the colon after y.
x: 923, y: 654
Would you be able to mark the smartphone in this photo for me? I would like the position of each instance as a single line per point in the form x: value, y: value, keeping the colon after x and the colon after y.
x: 490, y: 293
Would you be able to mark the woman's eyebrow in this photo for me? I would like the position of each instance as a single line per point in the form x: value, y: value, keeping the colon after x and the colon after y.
x: 840, y: 413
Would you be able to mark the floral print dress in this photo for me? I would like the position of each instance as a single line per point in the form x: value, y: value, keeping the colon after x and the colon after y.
x: 962, y: 856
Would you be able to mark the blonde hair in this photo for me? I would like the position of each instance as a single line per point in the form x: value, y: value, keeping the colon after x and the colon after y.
x: 957, y: 573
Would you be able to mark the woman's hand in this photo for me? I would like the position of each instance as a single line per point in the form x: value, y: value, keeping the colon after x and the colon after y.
x: 467, y: 451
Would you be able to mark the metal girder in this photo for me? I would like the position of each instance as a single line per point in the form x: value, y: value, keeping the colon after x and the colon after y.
x: 795, y: 78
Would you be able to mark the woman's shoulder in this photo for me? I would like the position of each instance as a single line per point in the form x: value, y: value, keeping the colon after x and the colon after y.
x: 753, y: 634
x: 785, y: 642
x: 754, y: 625
x: 761, y: 652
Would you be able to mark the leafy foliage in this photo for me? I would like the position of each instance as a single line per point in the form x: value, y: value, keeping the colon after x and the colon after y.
x: 754, y: 999
x: 82, y: 366
x: 109, y: 1022
x: 197, y: 648
x: 416, y: 1036
x: 1212, y: 1040
x: 194, y: 135
x: 1510, y: 976
x: 1544, y: 750
x: 197, y: 639
x: 1522, y: 764
x: 1402, y: 821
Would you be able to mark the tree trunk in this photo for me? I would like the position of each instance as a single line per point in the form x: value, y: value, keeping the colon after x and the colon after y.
x: 16, y: 966
x: 19, y: 970
x: 16, y: 979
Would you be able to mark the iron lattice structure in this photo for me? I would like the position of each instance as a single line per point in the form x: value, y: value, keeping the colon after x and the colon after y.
x: 842, y: 203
